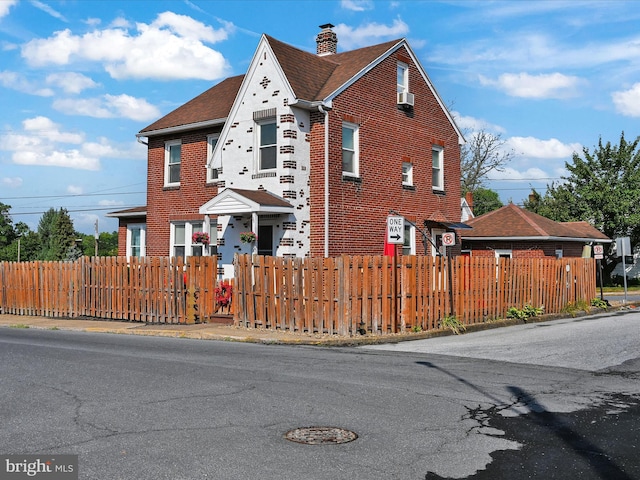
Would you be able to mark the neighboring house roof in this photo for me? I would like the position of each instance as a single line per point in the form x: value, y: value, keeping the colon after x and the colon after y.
x: 236, y: 201
x: 313, y: 79
x: 129, y: 212
x: 514, y: 223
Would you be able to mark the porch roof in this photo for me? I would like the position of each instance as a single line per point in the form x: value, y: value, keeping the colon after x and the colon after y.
x: 236, y: 201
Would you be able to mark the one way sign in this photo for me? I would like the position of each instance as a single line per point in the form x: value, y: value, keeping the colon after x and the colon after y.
x: 395, y: 229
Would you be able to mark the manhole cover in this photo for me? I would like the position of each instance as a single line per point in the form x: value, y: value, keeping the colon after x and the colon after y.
x: 320, y: 435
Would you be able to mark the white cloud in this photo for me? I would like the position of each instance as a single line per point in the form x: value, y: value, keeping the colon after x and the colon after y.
x: 627, y: 102
x: 5, y: 6
x: 44, y: 128
x: 47, y: 9
x: 109, y: 106
x: 42, y: 142
x: 71, y: 82
x: 535, y: 148
x: 510, y: 173
x: 475, y: 124
x: 18, y: 82
x: 554, y: 85
x: 110, y: 203
x: 171, y: 47
x: 57, y: 158
x: 11, y: 182
x: 357, y: 5
x: 74, y: 190
x: 370, y: 33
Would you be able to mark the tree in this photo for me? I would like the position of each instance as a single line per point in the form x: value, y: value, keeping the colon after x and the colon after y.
x: 602, y: 188
x: 482, y: 154
x: 7, y: 233
x: 485, y: 200
x: 57, y: 234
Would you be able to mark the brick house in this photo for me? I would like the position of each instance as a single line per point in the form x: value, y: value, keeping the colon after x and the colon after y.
x: 308, y: 151
x: 514, y: 232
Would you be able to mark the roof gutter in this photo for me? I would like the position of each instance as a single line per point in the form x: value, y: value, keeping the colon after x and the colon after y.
x: 182, y: 128
x: 326, y: 179
x: 520, y: 239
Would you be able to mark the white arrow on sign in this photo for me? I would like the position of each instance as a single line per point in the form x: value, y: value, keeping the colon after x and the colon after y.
x: 395, y: 229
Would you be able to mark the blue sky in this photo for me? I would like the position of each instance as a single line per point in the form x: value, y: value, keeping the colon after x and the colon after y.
x: 79, y: 78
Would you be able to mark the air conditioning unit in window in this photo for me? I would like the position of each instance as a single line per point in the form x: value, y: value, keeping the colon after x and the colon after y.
x: 405, y: 99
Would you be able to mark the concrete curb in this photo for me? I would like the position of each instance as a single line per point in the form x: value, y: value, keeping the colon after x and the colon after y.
x: 266, y: 337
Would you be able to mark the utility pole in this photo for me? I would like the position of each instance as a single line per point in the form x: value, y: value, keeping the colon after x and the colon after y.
x: 96, y: 235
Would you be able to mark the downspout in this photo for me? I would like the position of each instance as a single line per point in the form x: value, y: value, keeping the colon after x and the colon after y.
x: 326, y: 180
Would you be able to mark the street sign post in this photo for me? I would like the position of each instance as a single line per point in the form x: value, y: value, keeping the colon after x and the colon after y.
x: 395, y: 229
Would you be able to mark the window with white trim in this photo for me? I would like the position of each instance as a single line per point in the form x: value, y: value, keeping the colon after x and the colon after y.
x: 268, y: 134
x: 136, y: 239
x: 436, y: 236
x: 212, y: 173
x: 403, y: 77
x: 437, y: 160
x: 182, y: 243
x: 350, y: 145
x: 407, y: 173
x: 409, y: 246
x: 172, y: 160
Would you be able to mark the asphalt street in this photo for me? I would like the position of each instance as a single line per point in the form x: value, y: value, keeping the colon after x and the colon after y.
x: 509, y: 404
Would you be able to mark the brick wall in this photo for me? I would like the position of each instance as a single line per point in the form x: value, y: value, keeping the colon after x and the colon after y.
x: 388, y: 135
x: 526, y: 249
x: 166, y: 204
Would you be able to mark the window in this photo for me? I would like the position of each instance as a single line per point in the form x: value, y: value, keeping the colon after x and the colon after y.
x: 407, y: 173
x: 436, y: 235
x: 212, y: 173
x: 182, y: 244
x: 503, y: 253
x: 350, y: 149
x: 172, y: 152
x: 268, y: 147
x: 403, y: 77
x: 437, y: 169
x: 136, y: 237
x: 409, y: 246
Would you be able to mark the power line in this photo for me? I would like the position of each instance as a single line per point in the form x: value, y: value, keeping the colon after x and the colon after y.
x: 120, y: 207
x: 71, y: 195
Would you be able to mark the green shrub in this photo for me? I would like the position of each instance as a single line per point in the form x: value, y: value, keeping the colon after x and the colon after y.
x: 527, y: 312
x: 453, y: 323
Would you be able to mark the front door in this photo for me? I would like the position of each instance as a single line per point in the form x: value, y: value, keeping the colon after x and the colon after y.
x: 265, y: 240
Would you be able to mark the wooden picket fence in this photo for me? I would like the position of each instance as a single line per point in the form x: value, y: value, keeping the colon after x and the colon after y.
x: 152, y: 289
x: 354, y: 294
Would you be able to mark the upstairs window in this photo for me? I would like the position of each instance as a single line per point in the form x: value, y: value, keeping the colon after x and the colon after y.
x: 403, y: 77
x: 212, y: 173
x: 438, y: 168
x: 407, y: 173
x: 350, y: 149
x: 172, y: 152
x: 268, y: 144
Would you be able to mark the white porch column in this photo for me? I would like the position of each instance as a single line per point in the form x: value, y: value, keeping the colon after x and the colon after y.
x: 254, y: 229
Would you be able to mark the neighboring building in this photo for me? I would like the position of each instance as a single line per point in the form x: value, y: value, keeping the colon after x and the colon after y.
x: 511, y: 231
x: 309, y: 151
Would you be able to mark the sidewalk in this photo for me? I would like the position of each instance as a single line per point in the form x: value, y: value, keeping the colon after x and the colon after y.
x: 213, y: 331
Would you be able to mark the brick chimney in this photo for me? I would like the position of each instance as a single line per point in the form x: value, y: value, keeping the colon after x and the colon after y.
x: 327, y: 41
x: 469, y: 198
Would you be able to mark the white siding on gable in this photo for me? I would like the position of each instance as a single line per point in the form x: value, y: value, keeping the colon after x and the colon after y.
x: 265, y: 94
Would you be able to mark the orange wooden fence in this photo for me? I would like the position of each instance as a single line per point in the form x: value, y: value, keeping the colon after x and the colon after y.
x: 349, y: 294
x: 152, y: 289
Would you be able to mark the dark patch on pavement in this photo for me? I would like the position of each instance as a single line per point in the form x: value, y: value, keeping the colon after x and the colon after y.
x: 600, y: 443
